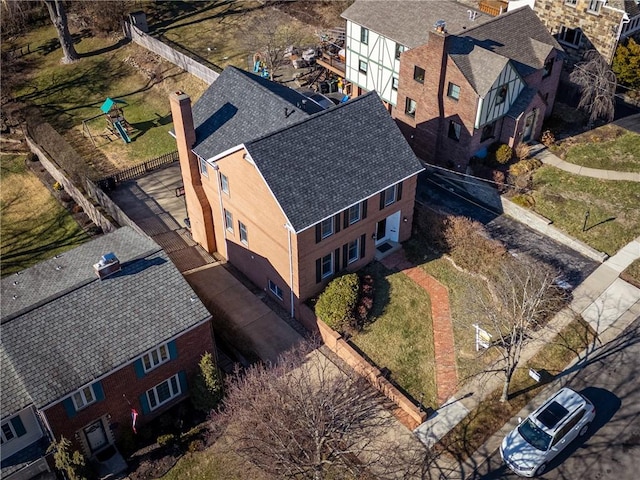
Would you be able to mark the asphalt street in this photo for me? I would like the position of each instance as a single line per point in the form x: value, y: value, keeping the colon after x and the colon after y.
x: 611, y: 448
x: 516, y: 236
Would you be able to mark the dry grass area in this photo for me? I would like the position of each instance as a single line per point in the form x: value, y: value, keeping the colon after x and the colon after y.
x: 632, y: 273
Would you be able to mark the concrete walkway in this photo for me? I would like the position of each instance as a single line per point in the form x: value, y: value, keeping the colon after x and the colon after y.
x: 543, y: 154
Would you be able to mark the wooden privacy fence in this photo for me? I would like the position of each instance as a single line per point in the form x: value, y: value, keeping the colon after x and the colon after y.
x: 136, y: 171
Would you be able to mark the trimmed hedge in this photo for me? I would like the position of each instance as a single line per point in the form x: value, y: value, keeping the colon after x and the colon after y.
x: 336, y: 305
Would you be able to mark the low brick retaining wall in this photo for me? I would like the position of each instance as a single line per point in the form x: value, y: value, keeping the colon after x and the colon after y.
x: 346, y: 352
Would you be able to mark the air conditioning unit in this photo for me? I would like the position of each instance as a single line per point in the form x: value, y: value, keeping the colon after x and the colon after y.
x: 108, y: 265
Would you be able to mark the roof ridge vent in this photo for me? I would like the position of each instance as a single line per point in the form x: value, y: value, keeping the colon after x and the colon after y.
x: 108, y: 265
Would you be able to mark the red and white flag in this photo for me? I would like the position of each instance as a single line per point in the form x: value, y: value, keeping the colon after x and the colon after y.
x: 134, y: 418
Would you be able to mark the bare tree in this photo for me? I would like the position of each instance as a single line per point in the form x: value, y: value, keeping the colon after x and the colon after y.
x: 597, y: 84
x: 58, y: 16
x: 522, y: 298
x: 304, y: 418
x: 270, y: 34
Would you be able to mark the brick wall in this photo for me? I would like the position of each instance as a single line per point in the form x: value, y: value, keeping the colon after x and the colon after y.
x: 124, y: 386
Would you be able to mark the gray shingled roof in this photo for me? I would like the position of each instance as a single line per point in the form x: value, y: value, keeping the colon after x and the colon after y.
x: 630, y: 6
x: 92, y: 326
x: 409, y: 22
x: 480, y: 67
x: 13, y: 393
x: 240, y: 106
x: 333, y: 160
x: 522, y: 102
x: 518, y: 36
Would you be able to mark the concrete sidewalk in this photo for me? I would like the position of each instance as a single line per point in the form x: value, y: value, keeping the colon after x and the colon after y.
x: 608, y: 303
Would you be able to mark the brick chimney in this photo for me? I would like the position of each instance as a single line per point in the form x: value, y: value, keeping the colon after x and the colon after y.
x: 198, y: 207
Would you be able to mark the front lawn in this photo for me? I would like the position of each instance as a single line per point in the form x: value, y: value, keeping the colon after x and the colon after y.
x: 400, y: 335
x: 613, y: 206
x: 35, y: 227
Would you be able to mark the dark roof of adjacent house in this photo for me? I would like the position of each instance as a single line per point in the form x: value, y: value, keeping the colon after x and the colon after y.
x: 518, y: 36
x: 632, y: 7
x: 63, y: 327
x: 240, y: 106
x: 409, y: 22
x: 334, y: 159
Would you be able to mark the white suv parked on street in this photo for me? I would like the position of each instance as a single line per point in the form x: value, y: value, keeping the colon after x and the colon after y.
x: 546, y: 432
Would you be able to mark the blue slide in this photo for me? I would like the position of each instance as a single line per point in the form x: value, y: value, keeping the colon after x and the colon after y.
x: 122, y: 132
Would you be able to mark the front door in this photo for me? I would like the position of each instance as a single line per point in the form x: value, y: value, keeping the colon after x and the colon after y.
x: 381, y: 231
x: 528, y: 126
x: 96, y: 436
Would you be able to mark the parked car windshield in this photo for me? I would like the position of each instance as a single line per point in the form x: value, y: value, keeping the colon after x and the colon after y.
x: 534, y: 435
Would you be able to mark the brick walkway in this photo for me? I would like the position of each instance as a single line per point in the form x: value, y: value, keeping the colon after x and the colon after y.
x: 446, y: 373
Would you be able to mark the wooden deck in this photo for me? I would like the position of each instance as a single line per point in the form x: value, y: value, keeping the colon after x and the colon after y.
x: 332, y: 63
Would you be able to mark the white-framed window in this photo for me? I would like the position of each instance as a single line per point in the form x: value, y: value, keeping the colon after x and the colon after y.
x: 394, y: 83
x: 362, y: 66
x: 455, y: 129
x: 399, y: 50
x: 487, y: 131
x: 354, y: 213
x: 164, y: 392
x: 224, y: 183
x: 453, y: 91
x: 390, y: 195
x: 571, y: 36
x: 548, y: 67
x: 83, y: 397
x: 501, y: 96
x: 595, y: 6
x: 244, y: 238
x: 155, y: 357
x: 326, y: 266
x: 326, y: 227
x: 410, y: 107
x: 364, y: 35
x: 418, y: 74
x: 203, y: 168
x: 276, y: 290
x: 353, y: 252
x: 228, y: 220
x: 571, y: 3
x: 8, y: 432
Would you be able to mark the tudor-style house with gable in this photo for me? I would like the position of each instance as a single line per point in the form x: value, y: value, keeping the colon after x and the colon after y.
x: 464, y: 80
x: 88, y: 336
x: 290, y: 194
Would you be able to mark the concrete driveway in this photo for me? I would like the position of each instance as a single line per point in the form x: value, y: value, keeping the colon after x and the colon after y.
x: 239, y: 317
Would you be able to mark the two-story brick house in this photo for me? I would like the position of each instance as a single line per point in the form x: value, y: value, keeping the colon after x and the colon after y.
x: 463, y: 85
x: 289, y: 194
x: 80, y: 352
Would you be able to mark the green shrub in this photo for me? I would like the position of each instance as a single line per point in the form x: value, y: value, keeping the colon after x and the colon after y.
x: 504, y: 154
x: 206, y: 391
x: 165, y: 440
x: 337, y: 303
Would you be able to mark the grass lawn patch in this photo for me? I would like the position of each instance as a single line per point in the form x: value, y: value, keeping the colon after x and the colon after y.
x: 400, y: 335
x: 35, y: 226
x: 482, y: 422
x: 564, y: 198
x: 632, y: 273
x: 609, y: 147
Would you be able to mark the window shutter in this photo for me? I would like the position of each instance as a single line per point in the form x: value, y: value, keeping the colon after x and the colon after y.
x: 336, y: 223
x: 336, y: 260
x: 97, y: 389
x: 345, y: 255
x: 345, y: 214
x: 18, y: 426
x: 318, y: 233
x: 318, y: 270
x: 67, y: 403
x: 182, y: 376
x: 364, y: 209
x: 381, y: 200
x: 144, y: 403
x: 363, y: 242
x: 173, y: 350
x: 399, y: 192
x: 139, y: 368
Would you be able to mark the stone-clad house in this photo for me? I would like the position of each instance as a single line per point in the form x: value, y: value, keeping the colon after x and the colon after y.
x: 78, y: 353
x: 290, y: 194
x: 464, y: 80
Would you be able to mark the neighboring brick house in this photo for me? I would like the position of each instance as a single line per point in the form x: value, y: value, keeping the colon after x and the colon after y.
x: 289, y: 194
x: 462, y: 85
x: 583, y: 25
x: 79, y: 352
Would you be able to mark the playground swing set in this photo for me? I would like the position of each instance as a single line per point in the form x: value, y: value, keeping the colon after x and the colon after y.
x: 117, y: 125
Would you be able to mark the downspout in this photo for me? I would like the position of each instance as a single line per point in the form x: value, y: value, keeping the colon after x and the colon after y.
x: 623, y: 21
x: 223, y: 220
x: 288, y: 227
